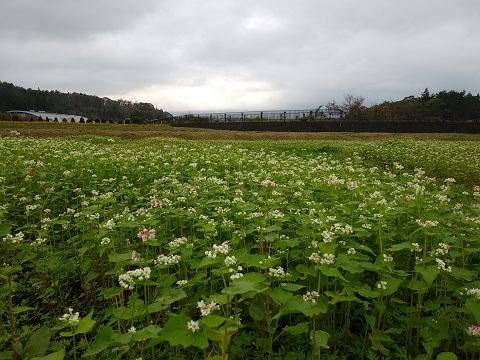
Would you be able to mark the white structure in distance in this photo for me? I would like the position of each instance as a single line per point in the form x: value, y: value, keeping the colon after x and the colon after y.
x: 47, y: 116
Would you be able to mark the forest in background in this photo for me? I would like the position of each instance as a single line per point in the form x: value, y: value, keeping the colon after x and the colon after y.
x: 98, y: 109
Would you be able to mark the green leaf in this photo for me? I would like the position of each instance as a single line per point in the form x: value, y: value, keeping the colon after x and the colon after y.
x: 296, y: 304
x: 292, y: 287
x: 279, y: 295
x: 176, y: 333
x: 109, y: 293
x: 20, y: 309
x: 392, y: 286
x: 401, y: 246
x: 120, y: 257
x: 272, y: 228
x: 6, y: 355
x: 446, y: 356
x: 321, y: 338
x: 149, y: 332
x: 247, y: 283
x: 5, y: 230
x: 474, y: 308
x: 104, y: 339
x: 301, y: 328
x: 59, y: 355
x: 377, y: 338
x: 255, y: 312
x: 213, y: 320
x: 463, y: 274
x: 85, y: 324
x: 429, y: 273
x: 206, y: 261
x: 38, y: 343
x: 307, y: 270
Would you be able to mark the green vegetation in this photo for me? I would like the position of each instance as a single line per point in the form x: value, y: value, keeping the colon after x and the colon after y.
x: 174, y: 249
x: 444, y: 106
x: 93, y: 107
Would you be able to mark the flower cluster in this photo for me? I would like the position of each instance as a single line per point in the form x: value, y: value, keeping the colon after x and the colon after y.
x: 427, y: 223
x: 387, y: 258
x: 474, y: 330
x: 223, y: 248
x: 441, y: 250
x: 327, y: 259
x: 311, y: 297
x: 206, y: 309
x: 315, y: 258
x: 128, y: 279
x: 230, y: 260
x: 70, y: 318
x: 167, y: 260
x: 382, y: 285
x: 193, y: 325
x: 14, y: 239
x: 154, y: 203
x: 135, y: 255
x: 178, y: 242
x: 278, y: 272
x: 475, y: 292
x: 147, y: 234
x: 236, y: 274
x: 442, y: 265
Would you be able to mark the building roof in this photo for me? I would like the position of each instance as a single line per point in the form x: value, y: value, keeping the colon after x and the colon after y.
x: 44, y: 115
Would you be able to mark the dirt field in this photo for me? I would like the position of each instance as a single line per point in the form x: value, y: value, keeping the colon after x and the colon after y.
x: 42, y: 129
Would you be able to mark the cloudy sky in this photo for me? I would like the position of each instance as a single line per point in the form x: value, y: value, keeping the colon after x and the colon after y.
x: 192, y: 55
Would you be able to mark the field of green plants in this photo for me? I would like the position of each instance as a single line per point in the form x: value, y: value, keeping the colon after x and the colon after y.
x: 180, y: 249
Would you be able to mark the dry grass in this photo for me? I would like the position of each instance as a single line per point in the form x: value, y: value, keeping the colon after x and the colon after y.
x: 43, y: 129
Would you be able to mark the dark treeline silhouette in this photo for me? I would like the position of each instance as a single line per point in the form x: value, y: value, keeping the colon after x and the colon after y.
x: 444, y: 106
x: 90, y: 106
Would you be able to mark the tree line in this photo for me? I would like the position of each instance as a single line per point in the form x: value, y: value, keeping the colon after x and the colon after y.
x: 443, y: 106
x: 98, y: 109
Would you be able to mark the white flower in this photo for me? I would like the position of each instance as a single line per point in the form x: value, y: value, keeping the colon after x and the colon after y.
x: 71, y: 318
x: 327, y: 259
x: 167, y: 260
x: 230, y: 260
x: 178, y: 242
x: 105, y: 241
x: 442, y: 265
x: 311, y: 296
x: 351, y: 251
x: 206, y: 309
x: 193, y: 325
x: 146, y: 234
x: 129, y: 279
x: 14, y: 239
x: 382, y: 285
x: 132, y: 330
x: 315, y: 258
x: 278, y: 272
x: 387, y: 258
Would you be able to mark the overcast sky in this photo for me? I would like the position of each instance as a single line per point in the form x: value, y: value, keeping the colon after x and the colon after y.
x: 191, y: 55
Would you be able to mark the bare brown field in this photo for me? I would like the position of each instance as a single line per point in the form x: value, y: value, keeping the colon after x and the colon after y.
x: 42, y: 129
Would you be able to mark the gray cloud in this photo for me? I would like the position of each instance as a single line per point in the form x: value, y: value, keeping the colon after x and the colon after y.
x: 191, y: 55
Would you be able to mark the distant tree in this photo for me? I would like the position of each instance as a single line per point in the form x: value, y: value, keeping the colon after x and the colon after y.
x: 425, y: 95
x: 351, y: 108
